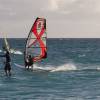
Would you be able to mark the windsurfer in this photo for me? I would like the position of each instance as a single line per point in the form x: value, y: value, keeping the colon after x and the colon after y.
x: 28, y: 61
x: 36, y: 43
x: 7, y: 67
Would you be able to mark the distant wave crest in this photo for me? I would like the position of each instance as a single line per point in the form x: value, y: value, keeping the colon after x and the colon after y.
x: 14, y: 52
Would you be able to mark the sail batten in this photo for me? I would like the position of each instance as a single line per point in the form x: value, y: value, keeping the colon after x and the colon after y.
x: 36, y: 41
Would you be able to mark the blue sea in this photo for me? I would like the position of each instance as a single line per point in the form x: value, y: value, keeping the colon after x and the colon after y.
x: 74, y: 74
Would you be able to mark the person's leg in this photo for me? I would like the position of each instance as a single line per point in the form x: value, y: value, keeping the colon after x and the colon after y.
x: 6, y: 70
x: 31, y: 65
x: 9, y: 72
x: 9, y: 69
x: 25, y: 64
x: 28, y: 66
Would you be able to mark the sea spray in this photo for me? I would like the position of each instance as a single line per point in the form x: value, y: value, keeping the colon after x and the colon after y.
x: 65, y: 67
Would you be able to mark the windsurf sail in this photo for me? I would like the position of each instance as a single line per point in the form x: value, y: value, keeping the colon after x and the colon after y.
x: 36, y: 41
x: 6, y: 45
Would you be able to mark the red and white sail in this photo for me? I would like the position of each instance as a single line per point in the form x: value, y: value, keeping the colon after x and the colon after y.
x: 36, y: 41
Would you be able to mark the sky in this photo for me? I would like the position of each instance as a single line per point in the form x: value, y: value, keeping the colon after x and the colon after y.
x: 65, y: 18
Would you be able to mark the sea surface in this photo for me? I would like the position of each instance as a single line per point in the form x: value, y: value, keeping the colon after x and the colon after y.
x: 74, y: 75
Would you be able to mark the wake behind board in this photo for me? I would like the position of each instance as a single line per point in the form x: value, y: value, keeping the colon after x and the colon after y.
x: 35, y: 68
x: 18, y: 65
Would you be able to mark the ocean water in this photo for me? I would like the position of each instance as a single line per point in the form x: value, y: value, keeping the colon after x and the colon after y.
x: 74, y: 75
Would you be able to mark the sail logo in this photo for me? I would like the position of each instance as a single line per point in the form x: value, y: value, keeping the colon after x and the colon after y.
x: 38, y: 34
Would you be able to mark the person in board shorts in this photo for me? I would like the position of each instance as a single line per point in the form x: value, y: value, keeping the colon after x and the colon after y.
x: 7, y: 67
x: 7, y: 62
x: 28, y: 61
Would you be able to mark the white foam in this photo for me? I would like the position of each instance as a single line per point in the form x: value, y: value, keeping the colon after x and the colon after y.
x: 98, y: 68
x: 66, y: 67
x: 35, y: 67
x: 16, y: 52
x: 0, y: 50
